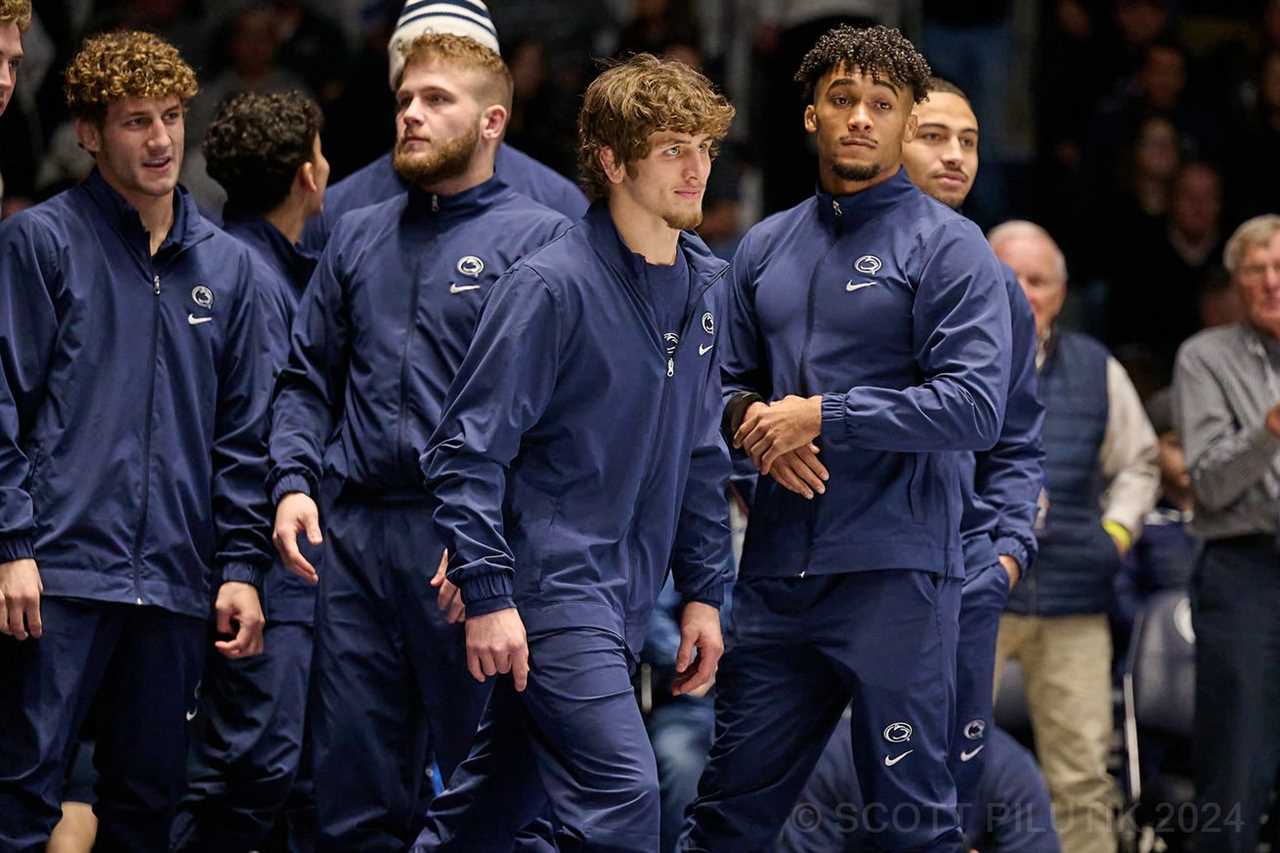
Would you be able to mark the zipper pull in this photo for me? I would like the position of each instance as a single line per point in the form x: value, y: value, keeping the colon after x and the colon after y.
x: 435, y: 203
x: 671, y: 367
x: 157, y: 283
x: 835, y: 205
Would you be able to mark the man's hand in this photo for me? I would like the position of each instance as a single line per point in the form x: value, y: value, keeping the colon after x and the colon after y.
x: 1120, y: 535
x: 450, y: 597
x: 1011, y: 569
x: 20, y: 589
x: 767, y: 432
x: 800, y: 471
x: 496, y: 643
x: 238, y: 609
x: 295, y: 513
x: 699, y: 629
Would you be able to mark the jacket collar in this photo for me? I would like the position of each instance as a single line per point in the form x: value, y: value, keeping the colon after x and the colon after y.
x: 189, y: 226
x: 608, y: 244
x: 850, y: 211
x: 466, y: 203
x: 296, y: 262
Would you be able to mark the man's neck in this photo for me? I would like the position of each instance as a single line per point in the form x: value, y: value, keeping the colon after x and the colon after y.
x: 156, y: 212
x: 644, y: 233
x: 289, y: 219
x: 836, y: 185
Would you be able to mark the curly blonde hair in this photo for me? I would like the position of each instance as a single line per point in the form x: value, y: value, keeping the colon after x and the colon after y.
x: 16, y: 12
x: 635, y: 98
x: 125, y: 64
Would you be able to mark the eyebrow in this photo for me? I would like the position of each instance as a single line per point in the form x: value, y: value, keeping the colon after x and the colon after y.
x: 942, y: 126
x: 875, y: 81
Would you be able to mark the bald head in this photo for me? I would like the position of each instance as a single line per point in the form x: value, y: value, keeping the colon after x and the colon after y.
x: 1035, y: 258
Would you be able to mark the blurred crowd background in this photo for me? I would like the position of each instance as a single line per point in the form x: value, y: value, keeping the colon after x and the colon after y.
x: 1139, y: 132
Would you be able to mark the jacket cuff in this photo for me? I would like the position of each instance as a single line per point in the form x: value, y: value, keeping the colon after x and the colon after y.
x: 487, y: 593
x: 16, y: 548
x: 734, y: 411
x: 244, y: 573
x: 712, y: 594
x: 290, y: 483
x: 834, y: 425
x: 1008, y: 546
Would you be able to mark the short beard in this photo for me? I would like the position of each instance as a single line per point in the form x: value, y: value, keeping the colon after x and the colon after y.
x: 683, y: 221
x: 856, y: 173
x: 448, y: 160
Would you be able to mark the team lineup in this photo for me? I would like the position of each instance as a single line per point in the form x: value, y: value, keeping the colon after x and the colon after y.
x: 384, y: 482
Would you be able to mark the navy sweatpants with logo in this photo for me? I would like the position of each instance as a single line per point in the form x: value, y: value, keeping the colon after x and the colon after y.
x: 982, y: 600
x: 246, y: 770
x: 800, y: 650
x: 139, y: 666
x: 389, y: 683
x: 573, y: 740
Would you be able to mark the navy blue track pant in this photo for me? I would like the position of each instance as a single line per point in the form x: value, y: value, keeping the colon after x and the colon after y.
x: 389, y: 683
x: 244, y: 772
x: 800, y: 650
x: 139, y: 666
x: 982, y: 601
x: 574, y: 739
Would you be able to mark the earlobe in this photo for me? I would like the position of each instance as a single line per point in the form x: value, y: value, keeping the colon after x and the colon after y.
x: 810, y: 119
x: 495, y: 122
x: 612, y: 170
x: 87, y: 135
x: 307, y: 175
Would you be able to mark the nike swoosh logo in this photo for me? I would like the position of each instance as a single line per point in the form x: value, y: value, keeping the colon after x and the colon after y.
x: 191, y: 715
x: 889, y: 762
x: 705, y: 348
x: 968, y: 756
x: 463, y: 288
x: 193, y: 320
x: 851, y: 287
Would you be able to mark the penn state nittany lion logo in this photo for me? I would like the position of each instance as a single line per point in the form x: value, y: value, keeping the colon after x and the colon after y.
x: 974, y: 729
x: 868, y: 264
x: 470, y: 266
x: 202, y: 296
x: 708, y: 323
x: 898, y: 732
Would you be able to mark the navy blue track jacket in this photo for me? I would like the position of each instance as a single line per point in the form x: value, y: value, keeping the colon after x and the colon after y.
x: 382, y: 328
x: 378, y: 182
x: 133, y: 411
x: 282, y: 271
x: 1000, y: 508
x: 576, y: 461
x: 891, y: 305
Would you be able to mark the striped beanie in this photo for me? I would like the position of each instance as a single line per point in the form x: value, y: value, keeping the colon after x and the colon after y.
x: 468, y: 18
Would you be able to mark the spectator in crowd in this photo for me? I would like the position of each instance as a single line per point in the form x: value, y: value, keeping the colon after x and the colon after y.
x: 1255, y: 170
x: 379, y: 181
x: 1163, y: 555
x: 372, y: 353
x: 1154, y: 291
x: 1010, y: 811
x: 312, y: 46
x: 540, y: 111
x: 265, y: 152
x: 1227, y: 404
x: 136, y: 396
x: 1101, y: 480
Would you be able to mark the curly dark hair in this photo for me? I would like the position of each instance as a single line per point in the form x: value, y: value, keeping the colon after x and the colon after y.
x: 256, y: 145
x: 880, y: 49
